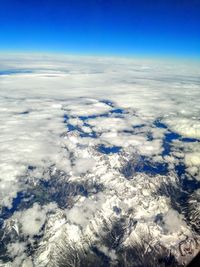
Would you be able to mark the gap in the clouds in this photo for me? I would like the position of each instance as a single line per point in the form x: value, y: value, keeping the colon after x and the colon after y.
x: 138, y: 126
x: 107, y: 102
x: 109, y: 149
x: 187, y: 184
x: 149, y: 136
x: 31, y: 168
x: 117, y: 111
x: 24, y: 112
x: 65, y: 118
x: 170, y: 136
x: 152, y: 168
x: 158, y: 124
x: 16, y: 202
x: 15, y: 71
x: 190, y: 185
x: 189, y: 140
x: 143, y: 164
x: 85, y: 118
x: 56, y: 189
x: 72, y: 128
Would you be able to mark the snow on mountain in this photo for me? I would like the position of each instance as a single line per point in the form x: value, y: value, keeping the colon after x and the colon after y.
x: 99, y: 162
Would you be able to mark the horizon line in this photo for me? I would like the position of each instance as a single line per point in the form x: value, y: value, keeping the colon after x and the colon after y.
x: 131, y: 56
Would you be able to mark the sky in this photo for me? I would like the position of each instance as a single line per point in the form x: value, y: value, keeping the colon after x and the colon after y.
x: 113, y: 27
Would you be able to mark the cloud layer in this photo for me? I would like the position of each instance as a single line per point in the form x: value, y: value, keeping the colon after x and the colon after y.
x: 95, y: 153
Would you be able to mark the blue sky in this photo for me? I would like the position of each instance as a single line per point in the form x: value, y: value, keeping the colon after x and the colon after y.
x: 116, y: 27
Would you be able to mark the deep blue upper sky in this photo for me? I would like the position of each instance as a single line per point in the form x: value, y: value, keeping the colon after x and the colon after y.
x: 142, y: 27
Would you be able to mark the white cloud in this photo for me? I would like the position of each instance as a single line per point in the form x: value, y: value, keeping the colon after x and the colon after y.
x: 113, y: 124
x: 174, y: 222
x: 31, y: 220
x: 192, y: 159
x: 33, y: 133
x: 85, y: 107
x: 188, y: 127
x: 82, y: 165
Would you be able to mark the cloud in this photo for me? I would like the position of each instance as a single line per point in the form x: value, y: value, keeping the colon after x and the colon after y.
x: 192, y: 159
x: 173, y: 221
x: 31, y: 220
x: 54, y: 118
x: 83, y: 165
x: 188, y: 127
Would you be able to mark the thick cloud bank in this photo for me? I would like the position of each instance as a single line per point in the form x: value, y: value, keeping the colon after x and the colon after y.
x: 100, y: 162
